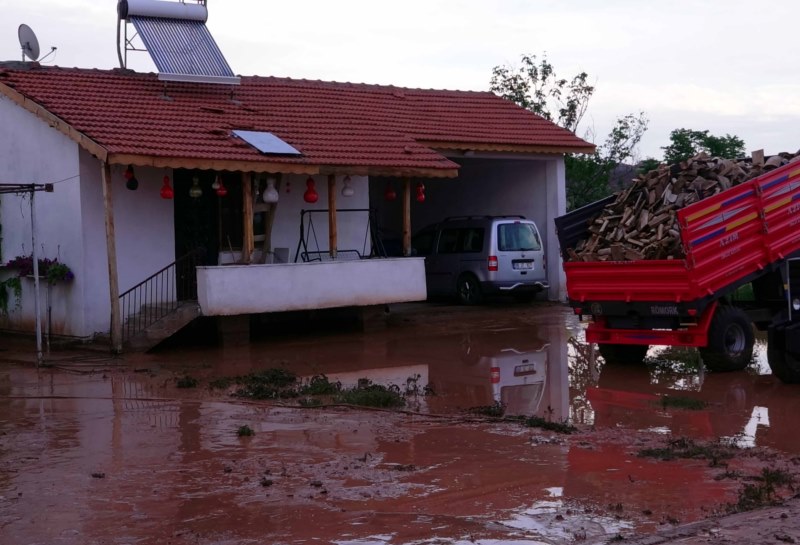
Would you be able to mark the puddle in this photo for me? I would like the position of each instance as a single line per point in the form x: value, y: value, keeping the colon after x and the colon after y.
x: 118, y: 456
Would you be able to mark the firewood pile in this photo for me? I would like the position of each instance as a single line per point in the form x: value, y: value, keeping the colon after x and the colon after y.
x: 642, y: 222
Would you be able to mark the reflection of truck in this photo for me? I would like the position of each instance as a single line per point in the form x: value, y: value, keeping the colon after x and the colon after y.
x: 748, y: 234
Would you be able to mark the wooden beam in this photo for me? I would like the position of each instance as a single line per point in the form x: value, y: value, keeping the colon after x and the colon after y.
x: 111, y: 252
x: 229, y: 165
x: 407, y: 216
x: 248, y: 243
x: 513, y: 148
x: 333, y: 240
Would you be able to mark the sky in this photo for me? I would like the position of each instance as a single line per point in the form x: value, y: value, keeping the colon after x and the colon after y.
x: 727, y: 66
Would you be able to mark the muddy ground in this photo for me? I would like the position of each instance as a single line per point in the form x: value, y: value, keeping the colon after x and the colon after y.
x: 511, y: 430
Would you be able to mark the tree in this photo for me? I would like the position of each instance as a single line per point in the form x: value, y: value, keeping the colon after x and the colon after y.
x: 589, y: 176
x: 686, y: 143
x: 536, y: 87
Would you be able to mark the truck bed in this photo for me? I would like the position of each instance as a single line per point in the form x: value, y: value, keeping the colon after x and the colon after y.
x: 728, y: 239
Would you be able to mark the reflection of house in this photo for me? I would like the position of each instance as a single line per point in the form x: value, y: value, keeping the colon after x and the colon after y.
x: 356, y: 144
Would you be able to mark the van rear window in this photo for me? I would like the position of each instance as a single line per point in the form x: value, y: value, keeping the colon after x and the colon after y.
x: 517, y: 237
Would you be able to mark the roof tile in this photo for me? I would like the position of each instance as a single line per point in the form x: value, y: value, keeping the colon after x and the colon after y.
x: 332, y: 124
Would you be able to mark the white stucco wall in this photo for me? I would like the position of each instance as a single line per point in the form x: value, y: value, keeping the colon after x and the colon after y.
x: 490, y: 185
x: 71, y: 224
x: 32, y: 152
x: 351, y: 227
x: 250, y: 289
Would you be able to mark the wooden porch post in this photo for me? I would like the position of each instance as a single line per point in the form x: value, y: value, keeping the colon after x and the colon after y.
x: 111, y: 251
x: 407, y: 216
x: 248, y: 243
x: 333, y: 240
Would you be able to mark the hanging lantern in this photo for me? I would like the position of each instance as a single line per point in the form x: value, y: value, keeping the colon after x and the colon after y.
x: 195, y: 191
x: 166, y: 190
x: 217, y: 183
x: 310, y: 196
x: 390, y: 194
x: 221, y: 189
x: 270, y: 193
x: 288, y: 187
x: 131, y: 182
x: 420, y: 192
x: 347, y: 190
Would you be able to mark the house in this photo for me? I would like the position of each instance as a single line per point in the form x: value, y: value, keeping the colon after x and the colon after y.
x: 168, y: 192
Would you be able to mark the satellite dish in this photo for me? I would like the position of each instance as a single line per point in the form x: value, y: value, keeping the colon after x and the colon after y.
x: 28, y: 42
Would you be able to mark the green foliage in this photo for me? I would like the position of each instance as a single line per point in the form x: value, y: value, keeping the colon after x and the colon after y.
x: 559, y: 427
x: 372, y: 395
x: 13, y: 284
x: 320, y: 385
x: 496, y: 410
x: 764, y: 491
x: 646, y: 165
x: 588, y: 176
x: 536, y: 87
x: 187, y: 381
x: 245, y: 431
x: 685, y: 143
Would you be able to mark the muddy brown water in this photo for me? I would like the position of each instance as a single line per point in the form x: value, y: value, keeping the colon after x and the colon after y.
x: 95, y: 450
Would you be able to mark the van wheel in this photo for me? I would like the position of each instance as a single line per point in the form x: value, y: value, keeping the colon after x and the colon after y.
x: 784, y: 364
x: 468, y: 290
x: 626, y: 354
x: 730, y: 340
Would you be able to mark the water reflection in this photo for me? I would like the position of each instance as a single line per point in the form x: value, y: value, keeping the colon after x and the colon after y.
x: 740, y: 407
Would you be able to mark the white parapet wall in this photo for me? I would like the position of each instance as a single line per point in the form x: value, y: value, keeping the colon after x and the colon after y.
x: 253, y: 289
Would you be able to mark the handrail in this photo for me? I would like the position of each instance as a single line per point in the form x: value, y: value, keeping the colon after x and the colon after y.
x: 159, y: 294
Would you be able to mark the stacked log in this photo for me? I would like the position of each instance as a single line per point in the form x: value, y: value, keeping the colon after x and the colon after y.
x: 642, y: 222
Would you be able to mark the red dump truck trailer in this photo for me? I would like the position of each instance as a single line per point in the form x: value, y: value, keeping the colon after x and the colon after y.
x: 748, y: 235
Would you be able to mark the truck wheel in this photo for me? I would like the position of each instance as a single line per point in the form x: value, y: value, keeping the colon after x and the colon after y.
x: 468, y: 290
x: 623, y: 353
x: 784, y: 364
x: 730, y: 341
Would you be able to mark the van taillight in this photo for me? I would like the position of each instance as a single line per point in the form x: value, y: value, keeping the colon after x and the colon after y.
x: 492, y: 262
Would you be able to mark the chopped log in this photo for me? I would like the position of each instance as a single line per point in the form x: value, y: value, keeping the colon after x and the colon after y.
x: 642, y: 223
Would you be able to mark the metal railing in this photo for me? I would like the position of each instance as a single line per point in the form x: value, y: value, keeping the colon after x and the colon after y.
x: 160, y: 294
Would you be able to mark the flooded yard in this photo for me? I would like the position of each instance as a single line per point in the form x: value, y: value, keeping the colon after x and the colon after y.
x: 508, y: 429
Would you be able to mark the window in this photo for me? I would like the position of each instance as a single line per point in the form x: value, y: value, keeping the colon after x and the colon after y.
x: 448, y: 241
x: 422, y: 244
x: 458, y: 241
x: 517, y: 237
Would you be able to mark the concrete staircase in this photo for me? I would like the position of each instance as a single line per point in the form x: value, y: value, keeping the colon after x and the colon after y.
x: 170, y: 322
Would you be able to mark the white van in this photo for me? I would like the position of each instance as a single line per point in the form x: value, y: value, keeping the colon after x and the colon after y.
x: 473, y: 256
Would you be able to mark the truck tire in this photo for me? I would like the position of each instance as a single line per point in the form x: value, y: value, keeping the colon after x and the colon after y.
x: 784, y: 364
x: 468, y: 290
x: 626, y: 354
x: 730, y: 341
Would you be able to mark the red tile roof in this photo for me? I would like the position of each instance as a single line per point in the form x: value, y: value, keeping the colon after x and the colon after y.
x: 136, y: 118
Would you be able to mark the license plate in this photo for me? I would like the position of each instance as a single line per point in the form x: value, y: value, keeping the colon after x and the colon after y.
x: 522, y: 265
x: 528, y: 369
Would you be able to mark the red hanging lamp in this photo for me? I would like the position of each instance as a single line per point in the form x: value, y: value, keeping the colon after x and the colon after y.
x: 166, y: 189
x: 221, y: 189
x: 311, y: 195
x: 130, y: 179
x: 420, y: 192
x: 390, y: 194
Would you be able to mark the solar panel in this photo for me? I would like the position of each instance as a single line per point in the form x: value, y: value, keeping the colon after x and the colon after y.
x: 183, y: 50
x: 266, y: 142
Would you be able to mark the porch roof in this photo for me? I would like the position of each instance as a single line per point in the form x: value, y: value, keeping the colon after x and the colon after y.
x: 124, y: 117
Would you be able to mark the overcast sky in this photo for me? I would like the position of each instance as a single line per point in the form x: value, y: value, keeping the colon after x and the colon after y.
x: 730, y: 66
